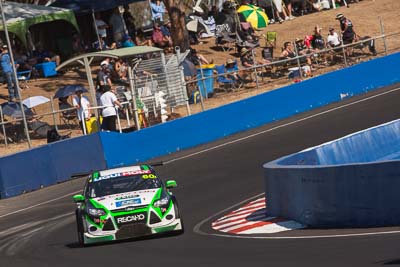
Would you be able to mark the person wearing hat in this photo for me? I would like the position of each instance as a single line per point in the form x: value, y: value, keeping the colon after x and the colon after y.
x: 247, y: 61
x: 82, y: 105
x: 346, y: 26
x: 231, y: 70
x: 302, y: 50
x: 103, y: 76
x: 6, y: 66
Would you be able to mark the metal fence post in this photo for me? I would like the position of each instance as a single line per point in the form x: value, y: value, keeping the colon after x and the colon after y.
x: 344, y: 52
x: 255, y: 69
x: 4, y: 128
x: 53, y: 113
x: 383, y: 34
x: 204, y: 87
x: 298, y: 60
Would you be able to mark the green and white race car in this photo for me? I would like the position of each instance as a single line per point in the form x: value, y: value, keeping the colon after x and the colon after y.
x: 125, y: 203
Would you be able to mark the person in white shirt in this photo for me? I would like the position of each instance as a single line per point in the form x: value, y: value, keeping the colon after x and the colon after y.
x: 333, y: 38
x: 109, y: 100
x: 82, y: 104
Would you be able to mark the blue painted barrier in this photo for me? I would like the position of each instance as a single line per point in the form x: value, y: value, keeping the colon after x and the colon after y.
x: 112, y: 149
x: 349, y: 182
x: 249, y: 113
x: 49, y: 164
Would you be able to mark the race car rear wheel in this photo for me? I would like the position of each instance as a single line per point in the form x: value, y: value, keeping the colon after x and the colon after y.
x: 80, y: 228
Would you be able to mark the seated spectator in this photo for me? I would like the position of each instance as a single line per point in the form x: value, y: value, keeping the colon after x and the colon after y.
x: 78, y: 46
x: 302, y: 50
x: 41, y: 55
x: 288, y: 51
x: 127, y: 41
x: 140, y: 39
x: 317, y: 42
x: 247, y: 61
x: 333, y: 38
x: 197, y: 58
x: 231, y: 69
x: 121, y: 67
x: 102, y: 45
x: 210, y: 23
x: 159, y: 39
x: 248, y: 33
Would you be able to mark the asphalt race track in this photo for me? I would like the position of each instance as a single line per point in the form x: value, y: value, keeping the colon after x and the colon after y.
x: 38, y: 229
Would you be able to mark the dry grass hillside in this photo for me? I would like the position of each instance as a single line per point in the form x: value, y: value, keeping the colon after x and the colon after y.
x: 367, y: 16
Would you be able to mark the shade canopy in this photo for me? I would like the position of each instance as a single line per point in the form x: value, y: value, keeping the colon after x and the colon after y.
x: 19, y: 17
x: 81, y: 7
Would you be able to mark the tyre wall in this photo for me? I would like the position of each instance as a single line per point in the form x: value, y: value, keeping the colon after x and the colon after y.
x: 54, y: 163
x: 349, y: 182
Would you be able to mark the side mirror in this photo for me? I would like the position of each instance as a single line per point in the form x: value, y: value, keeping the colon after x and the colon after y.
x: 170, y: 184
x: 78, y: 198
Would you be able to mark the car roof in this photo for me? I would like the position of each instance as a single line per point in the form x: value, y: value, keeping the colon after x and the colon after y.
x: 121, y: 171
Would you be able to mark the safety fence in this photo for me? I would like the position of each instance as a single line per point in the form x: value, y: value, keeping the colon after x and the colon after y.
x: 156, y: 89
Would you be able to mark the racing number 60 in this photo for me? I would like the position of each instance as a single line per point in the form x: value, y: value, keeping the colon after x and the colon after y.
x: 149, y: 176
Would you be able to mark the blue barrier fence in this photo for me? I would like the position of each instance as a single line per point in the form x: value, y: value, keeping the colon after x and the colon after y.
x: 49, y: 164
x: 349, y: 182
x: 57, y: 162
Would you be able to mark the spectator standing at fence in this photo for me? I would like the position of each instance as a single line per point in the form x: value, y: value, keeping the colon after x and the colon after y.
x: 103, y: 76
x: 109, y: 100
x: 346, y: 26
x: 82, y: 105
x: 8, y: 75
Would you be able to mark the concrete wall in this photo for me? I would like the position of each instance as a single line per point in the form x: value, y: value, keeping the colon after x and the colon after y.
x: 349, y: 182
x: 47, y: 165
x: 250, y: 113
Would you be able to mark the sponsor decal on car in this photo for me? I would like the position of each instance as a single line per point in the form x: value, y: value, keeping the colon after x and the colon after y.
x: 126, y: 197
x: 121, y: 174
x: 127, y: 202
x: 132, y: 218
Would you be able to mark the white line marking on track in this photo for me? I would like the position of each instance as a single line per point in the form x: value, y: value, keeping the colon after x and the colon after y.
x: 39, y: 204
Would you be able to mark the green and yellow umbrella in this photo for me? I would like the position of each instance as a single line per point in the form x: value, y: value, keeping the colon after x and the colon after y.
x: 255, y: 15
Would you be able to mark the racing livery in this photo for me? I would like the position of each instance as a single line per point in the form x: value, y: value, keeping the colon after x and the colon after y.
x: 125, y: 203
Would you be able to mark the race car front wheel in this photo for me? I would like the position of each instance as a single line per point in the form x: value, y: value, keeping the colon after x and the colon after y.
x: 80, y: 229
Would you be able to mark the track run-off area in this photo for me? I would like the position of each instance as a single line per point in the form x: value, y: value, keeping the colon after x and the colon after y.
x: 214, y: 180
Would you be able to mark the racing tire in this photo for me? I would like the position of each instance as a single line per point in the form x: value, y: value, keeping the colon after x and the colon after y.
x: 80, y: 229
x: 178, y: 215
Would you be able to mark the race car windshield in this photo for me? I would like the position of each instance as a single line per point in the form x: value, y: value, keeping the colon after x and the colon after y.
x: 121, y: 185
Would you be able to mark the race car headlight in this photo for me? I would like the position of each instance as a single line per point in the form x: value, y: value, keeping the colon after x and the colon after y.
x: 161, y: 202
x: 96, y: 212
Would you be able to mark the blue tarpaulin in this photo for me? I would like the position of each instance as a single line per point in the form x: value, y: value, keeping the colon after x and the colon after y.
x: 87, y: 6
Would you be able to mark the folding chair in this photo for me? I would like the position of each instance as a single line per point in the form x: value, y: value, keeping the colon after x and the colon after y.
x: 270, y: 39
x: 226, y: 41
x: 23, y: 77
x: 223, y: 81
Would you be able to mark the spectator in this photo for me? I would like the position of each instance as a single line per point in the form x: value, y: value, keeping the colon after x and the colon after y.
x: 157, y: 10
x: 288, y: 4
x: 7, y: 69
x: 129, y: 21
x: 317, y: 42
x: 78, y: 46
x: 122, y: 69
x: 101, y: 27
x: 109, y: 113
x: 348, y: 34
x: 280, y: 10
x: 333, y: 38
x: 288, y: 51
x: 197, y: 58
x: 210, y: 23
x: 82, y: 105
x: 159, y: 39
x: 127, y: 41
x: 140, y: 39
x: 230, y: 67
x: 118, y: 26
x: 166, y: 28
x: 103, y: 76
x: 302, y: 50
x: 247, y: 61
x: 346, y: 27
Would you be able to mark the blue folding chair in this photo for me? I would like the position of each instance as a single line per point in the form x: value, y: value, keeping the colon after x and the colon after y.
x: 223, y: 81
